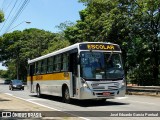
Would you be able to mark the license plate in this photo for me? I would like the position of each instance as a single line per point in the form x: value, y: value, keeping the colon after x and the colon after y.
x: 106, y: 93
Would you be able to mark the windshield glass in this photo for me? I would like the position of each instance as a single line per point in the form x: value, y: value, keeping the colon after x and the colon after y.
x: 100, y: 65
x: 17, y: 81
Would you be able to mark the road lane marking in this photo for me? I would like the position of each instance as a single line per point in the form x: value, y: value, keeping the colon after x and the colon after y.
x: 35, y: 99
x: 120, y: 98
x: 143, y: 102
x: 46, y: 106
x: 9, y: 94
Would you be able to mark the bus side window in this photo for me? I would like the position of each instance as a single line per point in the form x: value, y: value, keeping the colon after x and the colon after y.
x: 54, y: 63
x: 50, y: 65
x: 57, y: 63
x: 64, y: 62
x: 34, y: 70
x: 44, y: 66
x: 38, y: 67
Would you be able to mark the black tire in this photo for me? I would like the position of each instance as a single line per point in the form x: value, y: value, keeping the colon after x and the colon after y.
x: 38, y: 92
x: 23, y: 88
x: 12, y: 88
x: 102, y: 100
x: 66, y: 96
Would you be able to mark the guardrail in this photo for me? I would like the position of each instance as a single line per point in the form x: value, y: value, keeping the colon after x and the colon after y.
x: 151, y: 89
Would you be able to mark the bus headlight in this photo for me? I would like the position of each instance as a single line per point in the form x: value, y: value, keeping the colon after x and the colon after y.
x: 85, y: 85
x: 123, y: 82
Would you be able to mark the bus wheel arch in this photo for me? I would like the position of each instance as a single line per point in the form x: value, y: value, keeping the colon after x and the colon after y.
x: 65, y: 94
x: 38, y: 90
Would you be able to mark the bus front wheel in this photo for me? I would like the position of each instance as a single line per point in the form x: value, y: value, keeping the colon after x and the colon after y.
x: 102, y: 100
x: 66, y: 96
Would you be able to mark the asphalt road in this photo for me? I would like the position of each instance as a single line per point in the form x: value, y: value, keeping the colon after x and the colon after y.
x: 128, y: 103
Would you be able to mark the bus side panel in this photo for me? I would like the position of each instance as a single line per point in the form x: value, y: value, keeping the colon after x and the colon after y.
x: 51, y: 84
x: 53, y: 87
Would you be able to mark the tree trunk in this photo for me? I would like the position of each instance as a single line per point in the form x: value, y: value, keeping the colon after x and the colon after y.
x: 155, y: 62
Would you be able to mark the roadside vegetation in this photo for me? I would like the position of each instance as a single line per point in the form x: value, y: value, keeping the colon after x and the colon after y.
x: 133, y: 24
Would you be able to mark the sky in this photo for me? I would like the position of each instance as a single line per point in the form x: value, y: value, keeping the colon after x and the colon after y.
x: 43, y: 14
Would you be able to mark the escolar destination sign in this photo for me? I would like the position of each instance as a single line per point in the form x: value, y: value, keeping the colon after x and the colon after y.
x: 99, y: 46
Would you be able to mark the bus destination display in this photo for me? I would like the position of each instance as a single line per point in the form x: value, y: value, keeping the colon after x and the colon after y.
x: 107, y: 47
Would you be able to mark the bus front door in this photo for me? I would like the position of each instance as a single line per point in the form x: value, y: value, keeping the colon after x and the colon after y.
x: 73, y: 69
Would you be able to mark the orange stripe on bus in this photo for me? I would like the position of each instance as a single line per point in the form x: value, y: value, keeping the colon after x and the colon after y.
x: 53, y: 76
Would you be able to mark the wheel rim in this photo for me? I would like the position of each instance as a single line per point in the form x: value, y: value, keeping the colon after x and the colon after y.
x: 66, y: 94
x: 38, y: 91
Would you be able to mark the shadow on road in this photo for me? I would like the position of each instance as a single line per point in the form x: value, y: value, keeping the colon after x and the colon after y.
x: 1, y: 100
x: 83, y: 103
x: 3, y: 84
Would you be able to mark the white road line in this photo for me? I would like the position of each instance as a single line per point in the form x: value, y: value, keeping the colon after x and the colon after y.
x: 9, y: 94
x: 35, y: 99
x: 45, y: 106
x: 120, y: 98
x: 142, y: 102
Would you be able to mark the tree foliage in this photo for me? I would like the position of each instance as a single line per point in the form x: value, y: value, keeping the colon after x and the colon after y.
x: 1, y: 16
x: 19, y: 46
x: 3, y: 74
x: 133, y: 24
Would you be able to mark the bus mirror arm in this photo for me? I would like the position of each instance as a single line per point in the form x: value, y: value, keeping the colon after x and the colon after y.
x: 78, y: 59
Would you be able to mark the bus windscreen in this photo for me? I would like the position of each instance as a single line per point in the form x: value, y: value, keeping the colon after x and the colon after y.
x: 100, y: 65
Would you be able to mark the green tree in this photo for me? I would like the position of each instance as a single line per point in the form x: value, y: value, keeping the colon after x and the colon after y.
x: 57, y: 43
x: 133, y: 24
x: 18, y: 47
x: 146, y: 26
x: 1, y: 16
x: 3, y: 74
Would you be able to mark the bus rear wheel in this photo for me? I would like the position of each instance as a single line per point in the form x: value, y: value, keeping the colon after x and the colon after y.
x: 38, y: 92
x: 66, y: 96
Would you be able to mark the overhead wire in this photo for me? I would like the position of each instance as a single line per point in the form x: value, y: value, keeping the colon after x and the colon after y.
x: 2, y: 5
x: 18, y: 11
x: 25, y: 3
x: 4, y: 10
x: 8, y: 15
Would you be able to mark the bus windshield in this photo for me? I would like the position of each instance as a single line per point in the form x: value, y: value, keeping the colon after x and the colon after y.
x: 101, y: 65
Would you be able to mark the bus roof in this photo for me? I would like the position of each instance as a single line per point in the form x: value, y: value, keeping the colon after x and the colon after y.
x: 73, y: 47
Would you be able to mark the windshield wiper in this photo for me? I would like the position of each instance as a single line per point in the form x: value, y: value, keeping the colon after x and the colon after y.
x: 109, y: 58
x: 113, y: 79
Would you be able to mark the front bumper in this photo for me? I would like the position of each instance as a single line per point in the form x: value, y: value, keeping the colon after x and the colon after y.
x: 18, y: 87
x: 86, y: 93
